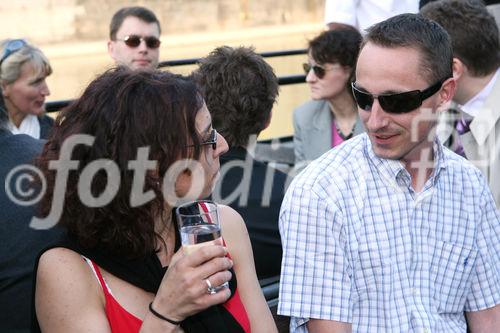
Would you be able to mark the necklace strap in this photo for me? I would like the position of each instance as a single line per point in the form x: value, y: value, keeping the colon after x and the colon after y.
x: 344, y: 137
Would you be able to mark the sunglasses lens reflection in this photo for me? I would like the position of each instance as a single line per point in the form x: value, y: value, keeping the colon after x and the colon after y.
x: 135, y: 41
x: 152, y: 42
x: 12, y: 46
x: 364, y: 100
x: 397, y: 103
x: 214, y: 139
x: 400, y: 103
x: 318, y: 71
x: 306, y: 68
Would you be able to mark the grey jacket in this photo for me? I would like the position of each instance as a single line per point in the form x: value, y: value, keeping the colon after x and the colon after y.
x: 312, y: 122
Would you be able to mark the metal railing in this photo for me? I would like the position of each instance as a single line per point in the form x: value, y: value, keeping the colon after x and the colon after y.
x: 55, y: 106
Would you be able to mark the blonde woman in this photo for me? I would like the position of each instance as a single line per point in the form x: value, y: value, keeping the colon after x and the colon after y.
x: 23, y: 72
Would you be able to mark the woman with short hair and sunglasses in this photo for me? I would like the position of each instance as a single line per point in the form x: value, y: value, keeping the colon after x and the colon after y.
x: 120, y: 268
x: 331, y: 117
x: 23, y: 70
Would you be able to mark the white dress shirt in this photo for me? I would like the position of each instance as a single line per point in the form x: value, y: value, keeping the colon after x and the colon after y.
x: 29, y: 126
x: 476, y: 103
x: 364, y: 13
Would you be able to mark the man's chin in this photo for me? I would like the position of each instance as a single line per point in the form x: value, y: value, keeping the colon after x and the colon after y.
x: 141, y: 66
x: 387, y: 154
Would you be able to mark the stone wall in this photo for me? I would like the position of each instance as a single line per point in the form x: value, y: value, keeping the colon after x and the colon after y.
x: 48, y: 21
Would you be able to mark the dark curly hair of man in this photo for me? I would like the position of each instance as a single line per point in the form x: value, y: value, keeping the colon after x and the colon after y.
x: 240, y: 89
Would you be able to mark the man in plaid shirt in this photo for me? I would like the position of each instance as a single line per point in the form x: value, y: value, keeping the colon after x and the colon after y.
x: 391, y: 231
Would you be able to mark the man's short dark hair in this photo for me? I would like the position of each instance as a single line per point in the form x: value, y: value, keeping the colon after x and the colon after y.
x: 240, y: 89
x: 473, y: 32
x: 415, y: 31
x: 141, y: 13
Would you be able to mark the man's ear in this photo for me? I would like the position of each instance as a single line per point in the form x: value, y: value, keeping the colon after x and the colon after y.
x: 111, y: 46
x: 446, y: 94
x: 458, y: 68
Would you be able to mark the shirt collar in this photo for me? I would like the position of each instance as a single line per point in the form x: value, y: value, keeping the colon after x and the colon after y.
x: 30, y: 126
x: 393, y: 169
x: 476, y: 103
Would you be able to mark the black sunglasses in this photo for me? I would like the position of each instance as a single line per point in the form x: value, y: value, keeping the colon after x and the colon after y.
x: 134, y: 41
x: 12, y: 46
x: 395, y: 103
x: 318, y: 70
x: 212, y: 140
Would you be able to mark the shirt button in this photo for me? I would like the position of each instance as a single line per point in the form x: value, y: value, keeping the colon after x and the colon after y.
x: 426, y: 330
x: 415, y: 292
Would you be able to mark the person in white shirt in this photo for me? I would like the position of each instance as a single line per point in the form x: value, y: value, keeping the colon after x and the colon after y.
x: 476, y: 52
x: 363, y: 13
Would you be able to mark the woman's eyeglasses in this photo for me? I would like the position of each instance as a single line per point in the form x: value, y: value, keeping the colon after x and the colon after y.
x: 212, y: 140
x: 319, y: 71
x: 12, y: 46
x: 395, y: 103
x: 135, y: 40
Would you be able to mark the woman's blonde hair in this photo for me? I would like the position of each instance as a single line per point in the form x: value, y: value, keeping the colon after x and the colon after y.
x: 10, y: 69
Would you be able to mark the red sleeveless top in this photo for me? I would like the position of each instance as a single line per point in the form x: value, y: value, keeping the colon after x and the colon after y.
x: 122, y: 321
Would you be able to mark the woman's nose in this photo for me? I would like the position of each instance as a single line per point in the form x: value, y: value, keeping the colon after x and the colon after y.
x: 222, y: 145
x: 44, y: 89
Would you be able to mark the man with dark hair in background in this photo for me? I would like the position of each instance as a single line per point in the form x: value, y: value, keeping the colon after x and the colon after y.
x: 240, y: 89
x: 19, y: 243
x: 134, y: 38
x: 473, y: 131
x: 493, y: 7
x: 391, y: 231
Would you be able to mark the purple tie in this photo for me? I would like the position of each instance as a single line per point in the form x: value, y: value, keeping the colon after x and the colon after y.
x: 462, y: 127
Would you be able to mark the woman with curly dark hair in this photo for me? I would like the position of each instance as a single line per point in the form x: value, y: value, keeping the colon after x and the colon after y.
x: 119, y: 269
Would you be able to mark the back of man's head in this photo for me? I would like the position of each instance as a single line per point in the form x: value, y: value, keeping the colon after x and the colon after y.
x: 240, y: 89
x: 141, y: 13
x: 473, y: 32
x: 415, y: 31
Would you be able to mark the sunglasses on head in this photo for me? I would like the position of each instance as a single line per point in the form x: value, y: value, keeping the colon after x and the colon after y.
x: 395, y: 103
x: 319, y: 71
x: 12, y: 46
x: 212, y: 140
x: 135, y: 40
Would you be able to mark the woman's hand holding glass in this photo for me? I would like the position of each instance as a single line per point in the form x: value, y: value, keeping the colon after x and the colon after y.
x: 184, y: 290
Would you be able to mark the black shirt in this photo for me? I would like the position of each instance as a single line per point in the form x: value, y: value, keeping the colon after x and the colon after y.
x: 19, y: 244
x: 243, y: 187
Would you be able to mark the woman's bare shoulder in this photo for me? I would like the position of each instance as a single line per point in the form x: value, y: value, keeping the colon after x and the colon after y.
x: 60, y: 262
x: 67, y: 293
x: 231, y: 222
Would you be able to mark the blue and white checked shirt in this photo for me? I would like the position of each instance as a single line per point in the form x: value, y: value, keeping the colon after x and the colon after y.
x: 360, y: 246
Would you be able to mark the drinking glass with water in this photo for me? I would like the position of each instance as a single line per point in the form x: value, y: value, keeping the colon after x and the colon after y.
x: 199, y: 226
